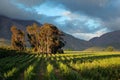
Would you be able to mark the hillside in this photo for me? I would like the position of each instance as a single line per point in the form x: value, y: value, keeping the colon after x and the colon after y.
x: 108, y: 39
x: 76, y: 44
x: 5, y: 24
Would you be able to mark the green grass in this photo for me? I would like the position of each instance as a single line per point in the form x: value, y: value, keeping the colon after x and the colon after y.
x: 75, y: 65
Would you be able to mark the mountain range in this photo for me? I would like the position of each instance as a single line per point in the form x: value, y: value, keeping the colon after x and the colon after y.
x: 108, y: 39
x: 72, y: 43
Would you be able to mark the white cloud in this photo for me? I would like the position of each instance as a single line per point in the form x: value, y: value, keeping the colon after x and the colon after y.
x: 74, y: 22
x: 88, y: 36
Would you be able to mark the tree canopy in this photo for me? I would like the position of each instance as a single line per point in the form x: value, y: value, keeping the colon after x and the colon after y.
x: 18, y: 38
x: 45, y: 39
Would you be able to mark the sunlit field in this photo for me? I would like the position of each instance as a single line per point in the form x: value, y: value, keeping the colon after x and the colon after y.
x: 76, y: 65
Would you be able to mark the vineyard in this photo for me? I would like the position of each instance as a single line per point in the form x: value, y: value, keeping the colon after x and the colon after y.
x: 68, y: 66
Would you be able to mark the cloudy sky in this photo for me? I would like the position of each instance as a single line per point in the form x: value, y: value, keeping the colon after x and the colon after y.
x: 83, y: 19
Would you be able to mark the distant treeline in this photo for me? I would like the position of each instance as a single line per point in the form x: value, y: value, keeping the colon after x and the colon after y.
x: 43, y: 39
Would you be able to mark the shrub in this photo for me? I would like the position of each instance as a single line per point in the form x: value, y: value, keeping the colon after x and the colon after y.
x: 110, y: 48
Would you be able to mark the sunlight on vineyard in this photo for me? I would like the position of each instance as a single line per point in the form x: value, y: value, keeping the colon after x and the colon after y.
x: 28, y: 73
x: 69, y: 66
x: 49, y: 69
x: 10, y: 73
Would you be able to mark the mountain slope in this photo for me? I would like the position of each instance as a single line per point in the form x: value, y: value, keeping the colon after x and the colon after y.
x: 108, y: 39
x: 6, y: 23
x: 73, y: 43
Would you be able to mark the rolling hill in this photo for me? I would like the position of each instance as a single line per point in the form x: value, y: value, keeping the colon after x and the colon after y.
x: 108, y: 39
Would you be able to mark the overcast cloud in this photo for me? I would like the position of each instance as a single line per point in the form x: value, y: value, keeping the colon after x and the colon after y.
x: 83, y: 19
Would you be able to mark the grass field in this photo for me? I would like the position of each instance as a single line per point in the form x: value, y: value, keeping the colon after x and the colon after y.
x: 68, y: 66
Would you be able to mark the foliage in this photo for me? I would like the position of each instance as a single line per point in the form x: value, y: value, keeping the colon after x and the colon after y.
x: 28, y: 73
x: 45, y: 39
x: 18, y: 38
x: 10, y: 73
x: 50, y: 72
x: 71, y: 66
x: 49, y: 69
x: 10, y: 52
x: 110, y: 48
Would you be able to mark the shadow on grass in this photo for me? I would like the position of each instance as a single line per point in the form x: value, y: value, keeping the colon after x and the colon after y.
x: 9, y: 52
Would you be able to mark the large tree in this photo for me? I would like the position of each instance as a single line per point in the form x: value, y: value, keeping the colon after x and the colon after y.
x: 18, y: 38
x: 45, y: 39
x: 51, y: 38
x: 32, y: 33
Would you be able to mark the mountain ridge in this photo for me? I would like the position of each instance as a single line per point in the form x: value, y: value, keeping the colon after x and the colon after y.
x: 72, y: 43
x: 107, y: 39
x: 6, y: 22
